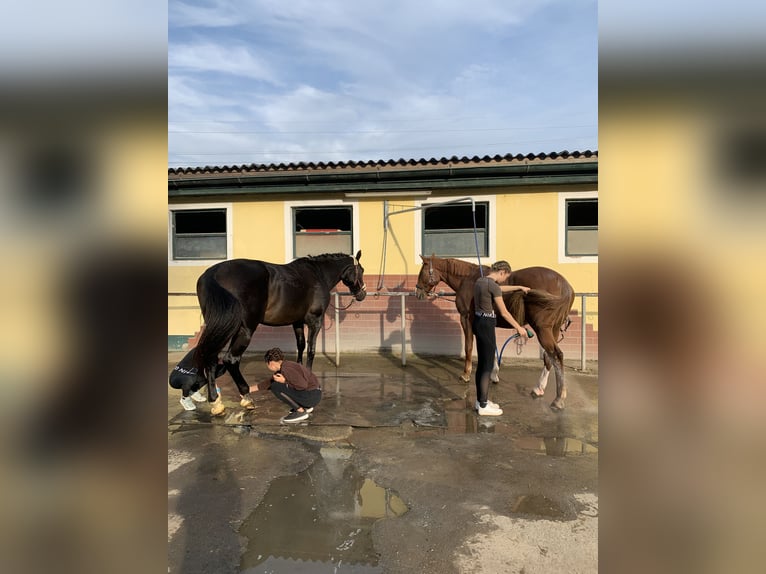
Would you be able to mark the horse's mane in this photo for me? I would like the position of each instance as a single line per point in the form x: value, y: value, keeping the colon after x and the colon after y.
x: 326, y: 256
x: 460, y: 268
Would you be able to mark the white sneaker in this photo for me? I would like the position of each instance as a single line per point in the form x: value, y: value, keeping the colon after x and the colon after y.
x: 188, y: 404
x: 490, y: 410
x: 476, y: 405
x: 196, y: 396
x: 309, y: 410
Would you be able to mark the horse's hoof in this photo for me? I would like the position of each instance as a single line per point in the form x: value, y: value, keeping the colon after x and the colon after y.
x: 557, y: 405
x: 247, y: 403
x: 217, y: 407
x: 534, y: 395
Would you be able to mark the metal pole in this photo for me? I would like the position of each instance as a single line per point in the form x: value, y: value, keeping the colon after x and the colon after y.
x: 404, y: 335
x: 337, y: 330
x: 582, y: 333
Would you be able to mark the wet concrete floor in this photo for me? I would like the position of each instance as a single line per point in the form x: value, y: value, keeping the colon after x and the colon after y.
x: 393, y: 472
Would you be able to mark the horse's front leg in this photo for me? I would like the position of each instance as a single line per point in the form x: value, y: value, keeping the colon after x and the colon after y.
x: 465, y: 322
x: 300, y: 339
x: 314, y: 323
x: 216, y: 403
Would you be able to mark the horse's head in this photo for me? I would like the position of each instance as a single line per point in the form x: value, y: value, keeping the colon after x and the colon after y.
x: 353, y: 278
x: 428, y: 278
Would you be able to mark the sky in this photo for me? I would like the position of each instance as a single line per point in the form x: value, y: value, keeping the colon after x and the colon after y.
x: 275, y: 81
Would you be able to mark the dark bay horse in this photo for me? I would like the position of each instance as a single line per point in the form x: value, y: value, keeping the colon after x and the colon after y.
x: 236, y: 296
x: 546, y: 308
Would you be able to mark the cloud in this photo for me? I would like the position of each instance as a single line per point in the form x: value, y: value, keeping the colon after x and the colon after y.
x: 218, y: 58
x: 218, y: 13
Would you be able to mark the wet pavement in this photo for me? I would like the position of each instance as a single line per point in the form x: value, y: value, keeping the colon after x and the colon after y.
x: 393, y: 472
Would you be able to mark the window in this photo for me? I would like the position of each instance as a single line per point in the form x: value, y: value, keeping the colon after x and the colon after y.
x: 318, y: 230
x: 199, y: 234
x: 448, y: 230
x: 581, y: 227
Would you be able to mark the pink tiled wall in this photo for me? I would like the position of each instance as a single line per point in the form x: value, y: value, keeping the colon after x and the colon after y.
x: 431, y: 327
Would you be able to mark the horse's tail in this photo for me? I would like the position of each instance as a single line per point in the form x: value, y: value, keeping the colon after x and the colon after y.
x: 560, y: 304
x: 223, y: 316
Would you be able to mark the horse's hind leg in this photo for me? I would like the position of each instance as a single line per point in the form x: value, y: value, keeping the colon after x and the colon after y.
x: 542, y: 382
x: 556, y: 357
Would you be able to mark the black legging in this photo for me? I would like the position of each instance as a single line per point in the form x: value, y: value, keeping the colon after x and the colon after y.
x: 486, y: 345
x: 295, y: 399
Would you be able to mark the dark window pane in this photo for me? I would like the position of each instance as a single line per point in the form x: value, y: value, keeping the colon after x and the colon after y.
x: 455, y: 217
x: 208, y: 221
x: 324, y: 218
x: 582, y: 213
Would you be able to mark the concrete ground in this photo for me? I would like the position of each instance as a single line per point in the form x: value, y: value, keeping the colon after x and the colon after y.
x: 394, y: 472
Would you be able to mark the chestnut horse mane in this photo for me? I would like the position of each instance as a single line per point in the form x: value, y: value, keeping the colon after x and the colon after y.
x: 458, y: 267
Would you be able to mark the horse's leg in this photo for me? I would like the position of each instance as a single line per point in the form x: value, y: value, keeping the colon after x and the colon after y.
x: 300, y: 339
x: 314, y: 324
x: 232, y: 361
x: 465, y: 322
x: 548, y: 343
x: 542, y: 382
x: 493, y: 375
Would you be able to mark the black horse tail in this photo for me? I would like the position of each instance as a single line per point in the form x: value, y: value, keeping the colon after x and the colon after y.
x: 223, y: 315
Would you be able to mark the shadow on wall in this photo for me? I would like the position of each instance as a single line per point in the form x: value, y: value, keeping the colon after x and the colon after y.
x: 432, y: 326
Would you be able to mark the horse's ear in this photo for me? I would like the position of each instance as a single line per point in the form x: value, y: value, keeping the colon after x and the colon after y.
x: 422, y: 258
x: 358, y: 254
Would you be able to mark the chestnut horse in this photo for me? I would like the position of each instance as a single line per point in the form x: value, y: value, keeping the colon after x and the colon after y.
x: 238, y: 295
x: 545, y: 308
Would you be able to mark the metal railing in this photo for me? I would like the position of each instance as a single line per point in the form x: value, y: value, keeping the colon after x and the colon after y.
x: 403, y: 327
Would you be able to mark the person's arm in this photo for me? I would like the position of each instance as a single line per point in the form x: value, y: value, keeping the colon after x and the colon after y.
x: 510, y: 288
x: 500, y: 305
x: 264, y: 386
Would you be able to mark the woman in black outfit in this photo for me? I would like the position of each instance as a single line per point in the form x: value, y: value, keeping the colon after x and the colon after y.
x: 485, y: 292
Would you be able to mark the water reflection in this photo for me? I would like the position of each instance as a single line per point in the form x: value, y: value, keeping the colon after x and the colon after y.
x: 556, y: 446
x: 319, y: 520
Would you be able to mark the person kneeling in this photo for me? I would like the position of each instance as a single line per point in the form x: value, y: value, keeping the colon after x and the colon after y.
x: 293, y: 384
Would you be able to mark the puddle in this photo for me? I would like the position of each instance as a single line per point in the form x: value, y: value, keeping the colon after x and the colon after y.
x: 556, y: 446
x: 539, y: 506
x: 319, y: 520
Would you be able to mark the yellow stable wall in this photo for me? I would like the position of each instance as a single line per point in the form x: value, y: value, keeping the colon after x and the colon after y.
x: 525, y: 225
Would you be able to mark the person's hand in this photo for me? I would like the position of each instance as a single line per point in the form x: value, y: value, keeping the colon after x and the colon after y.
x: 278, y: 377
x: 522, y: 333
x: 525, y: 289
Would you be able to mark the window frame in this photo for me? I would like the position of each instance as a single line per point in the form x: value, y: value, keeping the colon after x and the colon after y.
x: 419, y: 225
x: 564, y: 199
x: 227, y: 207
x: 289, y: 222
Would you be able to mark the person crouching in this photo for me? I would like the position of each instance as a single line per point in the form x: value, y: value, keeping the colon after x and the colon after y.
x: 293, y: 384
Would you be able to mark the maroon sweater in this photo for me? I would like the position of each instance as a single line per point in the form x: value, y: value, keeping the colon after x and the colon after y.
x: 297, y: 377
